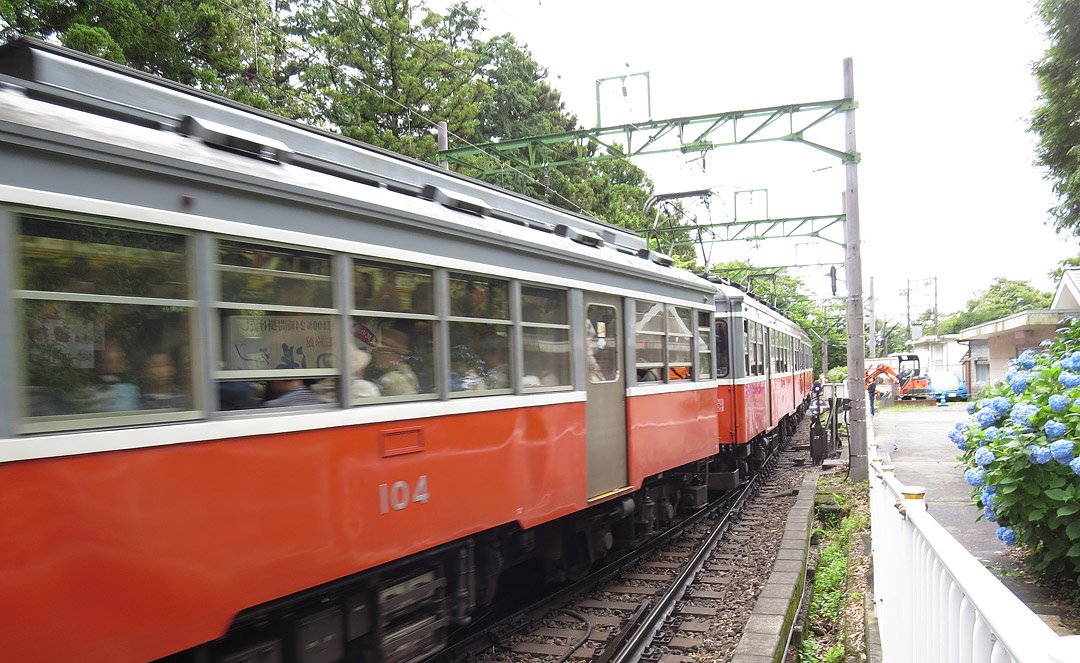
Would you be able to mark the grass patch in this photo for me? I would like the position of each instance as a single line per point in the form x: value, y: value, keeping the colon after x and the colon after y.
x: 834, y: 620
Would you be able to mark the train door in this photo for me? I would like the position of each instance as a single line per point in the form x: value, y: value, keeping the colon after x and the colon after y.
x: 767, y: 342
x: 605, y: 392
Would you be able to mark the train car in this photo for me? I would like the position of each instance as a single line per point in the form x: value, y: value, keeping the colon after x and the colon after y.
x: 766, y: 377
x: 274, y: 395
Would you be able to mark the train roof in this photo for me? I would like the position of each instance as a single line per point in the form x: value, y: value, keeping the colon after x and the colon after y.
x: 730, y: 297
x: 66, y: 77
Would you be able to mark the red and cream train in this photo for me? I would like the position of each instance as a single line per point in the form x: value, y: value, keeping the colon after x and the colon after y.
x: 273, y: 395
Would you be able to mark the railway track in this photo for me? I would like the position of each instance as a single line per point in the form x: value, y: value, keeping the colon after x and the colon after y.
x: 688, y: 592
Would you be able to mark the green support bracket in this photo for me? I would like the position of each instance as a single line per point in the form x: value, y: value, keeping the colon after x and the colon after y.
x: 711, y: 131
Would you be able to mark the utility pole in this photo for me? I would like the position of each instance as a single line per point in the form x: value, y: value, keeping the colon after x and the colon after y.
x: 858, y: 470
x: 873, y: 320
x: 934, y: 279
x: 906, y: 292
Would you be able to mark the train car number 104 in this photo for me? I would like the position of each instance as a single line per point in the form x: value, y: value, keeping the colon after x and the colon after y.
x: 397, y: 496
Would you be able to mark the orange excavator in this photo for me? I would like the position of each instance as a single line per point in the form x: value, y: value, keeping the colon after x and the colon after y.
x: 911, y: 385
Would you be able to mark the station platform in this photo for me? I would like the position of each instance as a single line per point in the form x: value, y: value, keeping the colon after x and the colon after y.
x: 925, y: 457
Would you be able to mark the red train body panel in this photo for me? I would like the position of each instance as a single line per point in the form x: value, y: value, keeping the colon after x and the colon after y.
x: 216, y: 527
x: 669, y: 430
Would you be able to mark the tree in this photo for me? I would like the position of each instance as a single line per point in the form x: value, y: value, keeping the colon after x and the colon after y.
x: 1002, y: 298
x: 229, y: 49
x: 1057, y: 120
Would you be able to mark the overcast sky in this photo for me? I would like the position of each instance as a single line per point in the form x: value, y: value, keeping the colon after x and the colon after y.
x: 945, y: 91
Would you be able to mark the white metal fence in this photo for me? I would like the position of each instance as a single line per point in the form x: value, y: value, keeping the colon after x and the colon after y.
x: 935, y: 601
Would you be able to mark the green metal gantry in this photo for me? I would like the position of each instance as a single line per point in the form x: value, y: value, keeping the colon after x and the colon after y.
x: 699, y: 133
x: 802, y: 226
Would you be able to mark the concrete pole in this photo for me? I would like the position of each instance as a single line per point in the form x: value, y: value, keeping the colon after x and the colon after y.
x: 856, y: 339
x: 444, y: 143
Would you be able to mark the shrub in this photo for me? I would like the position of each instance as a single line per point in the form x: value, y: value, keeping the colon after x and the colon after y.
x: 1019, y: 454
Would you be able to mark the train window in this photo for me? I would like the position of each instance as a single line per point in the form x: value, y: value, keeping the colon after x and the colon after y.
x: 479, y: 333
x: 278, y: 330
x: 722, y: 349
x: 680, y: 336
x: 759, y: 349
x: 106, y: 320
x: 649, y: 330
x: 602, y: 344
x: 393, y: 322
x: 746, y: 347
x: 545, y: 334
x: 704, y: 347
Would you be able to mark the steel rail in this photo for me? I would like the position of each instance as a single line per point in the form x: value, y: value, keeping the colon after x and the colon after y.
x: 634, y: 645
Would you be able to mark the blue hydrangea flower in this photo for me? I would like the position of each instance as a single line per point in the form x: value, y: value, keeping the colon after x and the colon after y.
x: 1076, y: 403
x: 1046, y: 343
x: 1071, y: 362
x: 1001, y: 405
x: 989, y: 494
x: 1074, y: 465
x: 976, y: 477
x: 992, y: 433
x: 1009, y: 537
x: 984, y: 456
x: 1067, y: 320
x: 1058, y: 402
x: 1020, y: 381
x: 961, y: 426
x: 1026, y: 360
x: 971, y: 408
x: 988, y: 513
x: 956, y: 437
x: 1062, y: 451
x: 1069, y: 380
x: 1023, y: 412
x: 1054, y: 429
x: 1001, y: 531
x: 1039, y: 455
x: 1011, y: 372
x: 986, y: 417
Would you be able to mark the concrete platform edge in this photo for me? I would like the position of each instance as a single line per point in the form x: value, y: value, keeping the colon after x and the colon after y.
x: 757, y: 644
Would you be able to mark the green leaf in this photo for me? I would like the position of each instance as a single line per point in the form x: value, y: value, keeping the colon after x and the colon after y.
x: 1037, y: 514
x: 1073, y: 530
x: 1068, y: 510
x: 1074, y: 551
x: 1058, y: 494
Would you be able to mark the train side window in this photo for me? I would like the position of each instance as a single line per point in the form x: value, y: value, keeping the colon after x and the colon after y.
x: 680, y: 335
x: 602, y: 344
x: 106, y: 315
x: 545, y: 333
x: 722, y: 349
x: 649, y: 332
x: 277, y: 325
x: 480, y: 328
x: 748, y: 349
x: 759, y: 349
x: 704, y: 347
x: 393, y: 323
